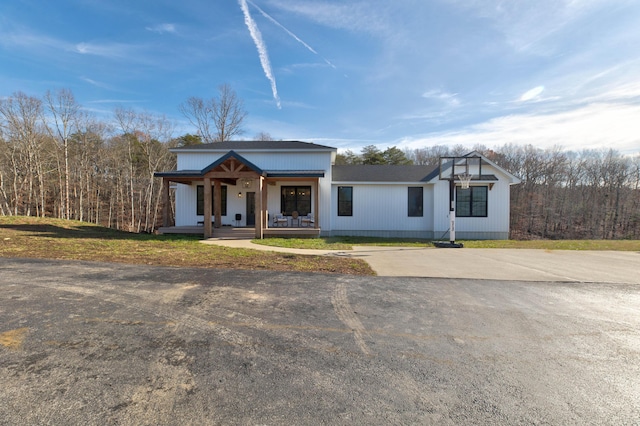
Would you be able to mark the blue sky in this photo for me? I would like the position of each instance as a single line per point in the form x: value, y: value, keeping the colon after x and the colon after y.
x: 405, y: 73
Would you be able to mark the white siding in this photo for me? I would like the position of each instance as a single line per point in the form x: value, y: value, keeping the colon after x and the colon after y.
x: 186, y: 205
x: 274, y: 160
x: 382, y: 209
x: 379, y: 209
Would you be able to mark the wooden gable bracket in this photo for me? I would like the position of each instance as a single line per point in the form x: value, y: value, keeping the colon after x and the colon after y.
x: 229, y: 181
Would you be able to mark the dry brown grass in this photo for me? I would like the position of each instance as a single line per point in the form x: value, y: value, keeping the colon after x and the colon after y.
x: 46, y: 238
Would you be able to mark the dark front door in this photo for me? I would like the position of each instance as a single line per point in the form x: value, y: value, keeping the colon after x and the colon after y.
x: 251, y: 209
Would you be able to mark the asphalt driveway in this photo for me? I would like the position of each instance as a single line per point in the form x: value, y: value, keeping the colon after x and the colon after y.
x: 95, y: 343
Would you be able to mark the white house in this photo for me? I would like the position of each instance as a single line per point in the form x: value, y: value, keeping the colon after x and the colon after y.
x: 294, y: 188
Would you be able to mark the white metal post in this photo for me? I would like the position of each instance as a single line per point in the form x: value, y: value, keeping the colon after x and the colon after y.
x: 452, y: 211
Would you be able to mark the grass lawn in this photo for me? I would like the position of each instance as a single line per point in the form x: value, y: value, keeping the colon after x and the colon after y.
x: 339, y: 243
x: 46, y: 238
x: 346, y: 243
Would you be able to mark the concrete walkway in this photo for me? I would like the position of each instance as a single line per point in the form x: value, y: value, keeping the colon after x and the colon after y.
x: 495, y: 264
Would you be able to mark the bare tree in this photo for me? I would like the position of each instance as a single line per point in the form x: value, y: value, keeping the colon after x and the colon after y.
x: 198, y: 112
x: 263, y: 136
x: 88, y: 168
x: 126, y: 121
x: 143, y: 146
x: 217, y: 119
x: 428, y: 156
x: 64, y: 109
x: 21, y: 118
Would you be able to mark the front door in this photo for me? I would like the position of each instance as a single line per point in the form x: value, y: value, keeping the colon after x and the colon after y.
x: 251, y: 209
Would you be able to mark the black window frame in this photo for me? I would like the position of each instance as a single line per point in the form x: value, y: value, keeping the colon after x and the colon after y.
x: 295, y: 198
x: 345, y: 206
x: 200, y: 200
x: 470, y: 202
x: 415, y: 201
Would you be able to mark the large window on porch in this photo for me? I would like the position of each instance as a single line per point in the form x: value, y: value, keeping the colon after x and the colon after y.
x: 200, y: 200
x: 295, y: 199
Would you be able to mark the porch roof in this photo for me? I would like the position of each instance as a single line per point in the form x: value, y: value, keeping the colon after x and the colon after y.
x: 198, y: 174
x: 255, y: 146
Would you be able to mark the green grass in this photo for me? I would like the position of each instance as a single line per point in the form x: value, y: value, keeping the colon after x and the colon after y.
x: 347, y: 243
x: 46, y: 238
x: 615, y: 245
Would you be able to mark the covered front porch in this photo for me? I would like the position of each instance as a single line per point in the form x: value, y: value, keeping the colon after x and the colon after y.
x: 219, y: 208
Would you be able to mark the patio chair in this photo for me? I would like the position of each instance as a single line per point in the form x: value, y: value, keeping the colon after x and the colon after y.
x: 280, y: 220
x: 307, y: 220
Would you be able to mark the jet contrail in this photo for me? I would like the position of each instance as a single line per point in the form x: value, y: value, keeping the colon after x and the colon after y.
x: 262, y: 49
x: 290, y: 33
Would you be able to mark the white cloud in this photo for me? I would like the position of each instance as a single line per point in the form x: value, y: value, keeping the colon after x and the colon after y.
x: 163, y: 28
x: 26, y: 39
x: 527, y: 25
x: 532, y: 94
x: 96, y: 83
x: 359, y: 16
x: 594, y: 126
x: 115, y: 101
x: 450, y: 99
x: 107, y: 50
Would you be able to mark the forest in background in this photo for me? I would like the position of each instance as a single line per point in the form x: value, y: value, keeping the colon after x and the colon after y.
x: 58, y: 160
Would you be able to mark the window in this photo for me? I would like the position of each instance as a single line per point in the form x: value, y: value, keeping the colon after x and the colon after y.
x: 414, y: 202
x: 295, y: 199
x: 345, y: 201
x: 200, y: 200
x: 471, y: 202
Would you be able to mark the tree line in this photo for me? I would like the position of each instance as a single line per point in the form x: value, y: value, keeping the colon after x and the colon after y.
x: 58, y: 160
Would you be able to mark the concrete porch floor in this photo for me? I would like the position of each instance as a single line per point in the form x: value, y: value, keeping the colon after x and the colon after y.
x: 243, y: 233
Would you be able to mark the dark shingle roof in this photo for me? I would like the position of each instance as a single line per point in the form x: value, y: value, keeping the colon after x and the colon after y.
x: 254, y: 145
x: 382, y: 173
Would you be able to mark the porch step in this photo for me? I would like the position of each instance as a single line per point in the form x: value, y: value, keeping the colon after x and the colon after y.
x: 228, y: 233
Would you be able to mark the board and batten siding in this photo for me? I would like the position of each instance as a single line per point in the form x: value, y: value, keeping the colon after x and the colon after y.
x: 186, y: 205
x: 273, y: 160
x: 381, y: 210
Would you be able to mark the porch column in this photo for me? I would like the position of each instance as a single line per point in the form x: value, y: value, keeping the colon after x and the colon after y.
x: 265, y: 211
x: 259, y: 208
x: 165, y: 202
x: 207, y: 208
x: 316, y: 223
x: 217, y: 198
